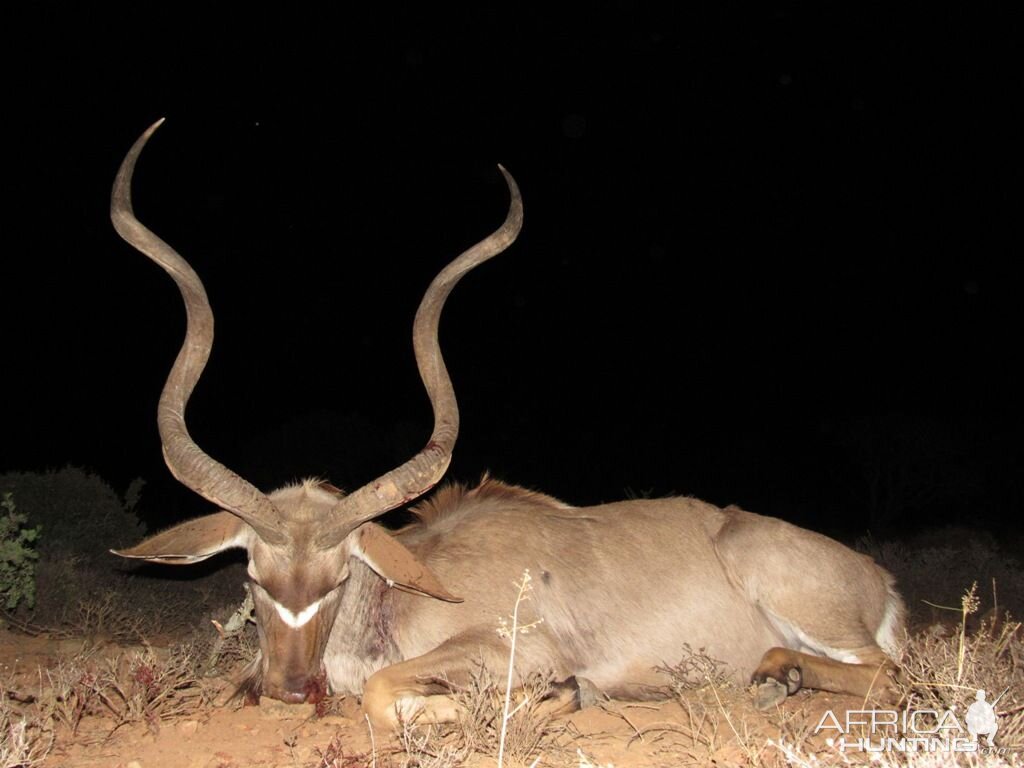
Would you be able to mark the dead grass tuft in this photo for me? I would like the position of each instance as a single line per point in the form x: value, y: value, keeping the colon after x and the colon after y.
x: 26, y: 738
x: 944, y: 671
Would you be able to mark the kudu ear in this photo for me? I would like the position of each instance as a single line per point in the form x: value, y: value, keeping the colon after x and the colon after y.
x: 396, y: 564
x: 192, y: 541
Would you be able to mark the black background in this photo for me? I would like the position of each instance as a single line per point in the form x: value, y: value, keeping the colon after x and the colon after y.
x: 770, y: 256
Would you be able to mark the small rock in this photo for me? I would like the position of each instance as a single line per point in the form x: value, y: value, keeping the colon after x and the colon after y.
x: 133, y: 764
x: 188, y: 727
x: 278, y: 710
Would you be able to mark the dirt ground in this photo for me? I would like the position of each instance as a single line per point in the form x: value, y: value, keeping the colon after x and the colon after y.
x: 712, y: 726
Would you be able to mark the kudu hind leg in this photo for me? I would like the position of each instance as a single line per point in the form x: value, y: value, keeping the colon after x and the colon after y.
x: 420, y: 689
x: 784, y: 671
x: 820, y: 596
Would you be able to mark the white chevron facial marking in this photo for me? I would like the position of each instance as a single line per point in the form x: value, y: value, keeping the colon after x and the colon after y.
x: 296, y: 620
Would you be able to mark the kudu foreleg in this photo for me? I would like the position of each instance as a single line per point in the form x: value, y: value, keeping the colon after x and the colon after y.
x: 420, y: 690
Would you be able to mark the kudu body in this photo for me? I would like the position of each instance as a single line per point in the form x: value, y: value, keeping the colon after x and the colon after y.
x: 344, y: 606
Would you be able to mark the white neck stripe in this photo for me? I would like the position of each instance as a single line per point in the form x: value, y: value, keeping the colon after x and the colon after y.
x: 296, y: 620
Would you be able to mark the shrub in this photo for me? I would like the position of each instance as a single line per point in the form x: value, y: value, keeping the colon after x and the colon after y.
x: 79, y: 512
x: 934, y: 568
x: 17, y: 556
x: 81, y: 588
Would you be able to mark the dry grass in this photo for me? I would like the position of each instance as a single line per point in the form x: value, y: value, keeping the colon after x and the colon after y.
x: 144, y: 686
x: 141, y: 686
x: 26, y: 738
x: 335, y: 756
x: 530, y: 731
x: 943, y: 671
x: 696, y: 670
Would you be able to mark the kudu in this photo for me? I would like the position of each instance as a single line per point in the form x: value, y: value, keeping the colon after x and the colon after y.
x: 345, y: 606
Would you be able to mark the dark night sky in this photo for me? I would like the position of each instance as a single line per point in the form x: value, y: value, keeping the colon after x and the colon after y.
x: 767, y: 255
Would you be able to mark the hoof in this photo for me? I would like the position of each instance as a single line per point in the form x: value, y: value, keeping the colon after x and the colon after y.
x: 572, y: 695
x: 770, y: 694
x: 588, y: 694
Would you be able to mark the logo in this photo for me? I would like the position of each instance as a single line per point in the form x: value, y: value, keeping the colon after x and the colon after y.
x: 913, y: 730
x: 981, y: 719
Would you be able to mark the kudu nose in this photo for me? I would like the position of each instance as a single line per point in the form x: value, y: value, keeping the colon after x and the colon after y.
x: 298, y: 690
x: 293, y: 696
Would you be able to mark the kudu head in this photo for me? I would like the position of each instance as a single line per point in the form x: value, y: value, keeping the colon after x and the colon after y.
x: 299, y: 539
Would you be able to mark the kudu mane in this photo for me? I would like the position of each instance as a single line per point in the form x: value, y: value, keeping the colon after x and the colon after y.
x: 455, y: 496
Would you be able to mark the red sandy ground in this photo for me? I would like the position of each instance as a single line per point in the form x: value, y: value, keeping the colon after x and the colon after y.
x: 294, y: 736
